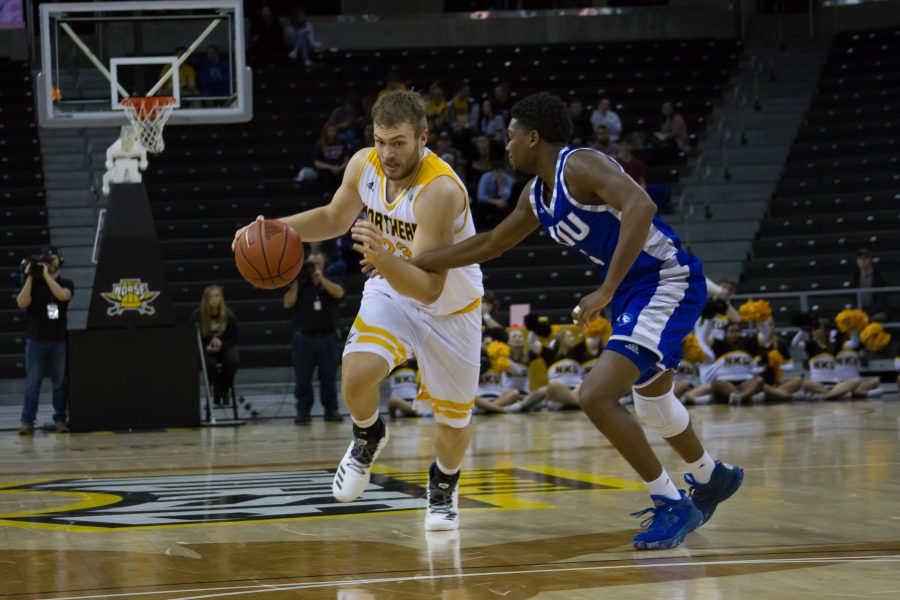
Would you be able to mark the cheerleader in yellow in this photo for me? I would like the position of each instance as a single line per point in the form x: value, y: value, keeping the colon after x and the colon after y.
x: 820, y: 358
x: 490, y: 396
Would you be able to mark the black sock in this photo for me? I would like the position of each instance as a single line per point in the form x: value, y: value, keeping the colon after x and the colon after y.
x: 370, y: 434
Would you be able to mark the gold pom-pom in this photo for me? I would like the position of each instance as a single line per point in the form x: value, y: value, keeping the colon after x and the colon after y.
x: 498, y: 352
x: 691, y: 350
x: 598, y: 328
x: 851, y: 320
x: 776, y: 359
x: 755, y: 310
x: 874, y: 337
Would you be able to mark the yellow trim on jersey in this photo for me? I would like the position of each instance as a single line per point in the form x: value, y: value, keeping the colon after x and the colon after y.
x: 371, y: 339
x: 465, y: 218
x: 446, y: 407
x: 731, y: 352
x: 562, y: 360
x: 467, y: 309
x: 829, y: 354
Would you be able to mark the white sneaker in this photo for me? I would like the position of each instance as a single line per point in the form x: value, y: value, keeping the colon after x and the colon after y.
x: 442, y: 509
x: 734, y: 399
x: 352, y: 475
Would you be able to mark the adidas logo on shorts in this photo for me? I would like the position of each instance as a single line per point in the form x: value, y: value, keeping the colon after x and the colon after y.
x: 634, y: 348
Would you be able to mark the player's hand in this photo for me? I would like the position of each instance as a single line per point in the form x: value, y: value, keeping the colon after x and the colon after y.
x: 591, y: 305
x: 369, y: 242
x: 240, y: 232
x: 369, y: 268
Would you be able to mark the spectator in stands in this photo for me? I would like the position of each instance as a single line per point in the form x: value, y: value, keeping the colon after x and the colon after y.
x: 494, y: 190
x: 489, y: 304
x: 867, y: 276
x: 437, y: 111
x: 492, y: 125
x: 368, y: 140
x: 673, y: 131
x: 450, y: 154
x: 581, y: 123
x: 631, y: 163
x: 299, y: 38
x: 213, y: 78
x: 267, y: 38
x: 602, y: 115
x: 464, y: 116
x: 313, y: 300
x: 484, y: 153
x: 331, y: 158
x: 604, y: 143
x: 348, y: 120
x: 391, y: 82
x: 367, y: 103
x: 219, y: 332
x: 502, y: 103
x: 187, y: 77
x: 45, y: 297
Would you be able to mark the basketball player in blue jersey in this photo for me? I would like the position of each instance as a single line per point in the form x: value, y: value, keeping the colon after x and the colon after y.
x: 656, y: 292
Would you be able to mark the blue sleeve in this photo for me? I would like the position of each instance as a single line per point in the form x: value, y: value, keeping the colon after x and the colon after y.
x: 485, y: 185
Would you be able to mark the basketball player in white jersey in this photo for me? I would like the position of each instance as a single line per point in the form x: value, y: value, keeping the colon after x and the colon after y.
x: 413, y: 202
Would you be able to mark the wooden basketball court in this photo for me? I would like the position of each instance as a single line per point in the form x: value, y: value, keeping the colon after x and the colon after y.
x: 247, y: 512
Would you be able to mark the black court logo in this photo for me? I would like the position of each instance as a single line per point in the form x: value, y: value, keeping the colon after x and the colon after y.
x: 150, y: 502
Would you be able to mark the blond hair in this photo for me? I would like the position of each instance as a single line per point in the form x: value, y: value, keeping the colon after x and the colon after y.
x: 206, y: 318
x: 401, y: 106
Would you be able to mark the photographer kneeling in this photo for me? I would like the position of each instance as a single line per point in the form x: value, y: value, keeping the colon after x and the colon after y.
x: 219, y: 332
x: 313, y: 300
x: 45, y: 296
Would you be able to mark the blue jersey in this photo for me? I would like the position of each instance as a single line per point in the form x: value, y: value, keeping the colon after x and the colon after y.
x: 661, y: 296
x: 593, y: 230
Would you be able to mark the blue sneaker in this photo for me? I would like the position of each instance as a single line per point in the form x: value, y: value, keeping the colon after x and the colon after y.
x: 725, y: 481
x: 670, y: 522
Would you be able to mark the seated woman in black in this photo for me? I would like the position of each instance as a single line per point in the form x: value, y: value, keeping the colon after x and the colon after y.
x: 219, y: 331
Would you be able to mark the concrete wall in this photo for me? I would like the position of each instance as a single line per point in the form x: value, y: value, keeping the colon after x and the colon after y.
x: 510, y: 28
x: 14, y: 43
x: 868, y: 15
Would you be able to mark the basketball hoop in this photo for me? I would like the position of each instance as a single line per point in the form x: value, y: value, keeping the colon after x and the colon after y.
x: 148, y: 116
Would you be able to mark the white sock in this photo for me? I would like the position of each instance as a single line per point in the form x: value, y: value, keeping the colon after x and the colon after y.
x: 444, y: 469
x: 366, y: 423
x: 663, y: 486
x: 702, y: 469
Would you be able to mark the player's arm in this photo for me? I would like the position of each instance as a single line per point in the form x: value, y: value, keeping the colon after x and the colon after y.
x: 484, y: 246
x: 333, y: 219
x: 435, y: 210
x: 589, y: 175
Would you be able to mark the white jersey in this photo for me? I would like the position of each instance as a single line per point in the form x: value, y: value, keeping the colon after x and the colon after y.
x: 516, y: 378
x: 403, y: 383
x: 567, y: 370
x: 396, y: 219
x: 846, y: 364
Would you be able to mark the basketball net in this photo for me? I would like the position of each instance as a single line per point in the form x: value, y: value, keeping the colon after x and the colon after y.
x: 148, y: 116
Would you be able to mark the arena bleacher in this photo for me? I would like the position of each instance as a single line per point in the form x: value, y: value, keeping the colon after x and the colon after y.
x: 839, y: 190
x: 212, y: 180
x: 24, y: 211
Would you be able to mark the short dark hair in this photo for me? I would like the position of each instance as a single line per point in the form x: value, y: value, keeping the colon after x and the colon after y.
x: 401, y: 106
x: 547, y: 114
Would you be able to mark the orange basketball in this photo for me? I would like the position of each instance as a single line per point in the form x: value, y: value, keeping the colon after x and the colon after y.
x: 269, y: 254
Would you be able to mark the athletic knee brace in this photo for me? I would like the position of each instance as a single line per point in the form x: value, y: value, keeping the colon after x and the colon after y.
x: 663, y: 413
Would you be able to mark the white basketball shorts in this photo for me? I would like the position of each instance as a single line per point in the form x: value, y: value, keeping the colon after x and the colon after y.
x: 447, y: 349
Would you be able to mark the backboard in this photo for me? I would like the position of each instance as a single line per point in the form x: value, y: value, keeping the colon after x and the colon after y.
x: 95, y: 54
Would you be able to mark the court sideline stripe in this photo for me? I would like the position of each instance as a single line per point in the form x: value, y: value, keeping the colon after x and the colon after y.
x: 275, y: 587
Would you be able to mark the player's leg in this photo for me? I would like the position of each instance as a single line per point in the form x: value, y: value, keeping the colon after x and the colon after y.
x: 377, y: 342
x: 449, y: 353
x: 711, y: 481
